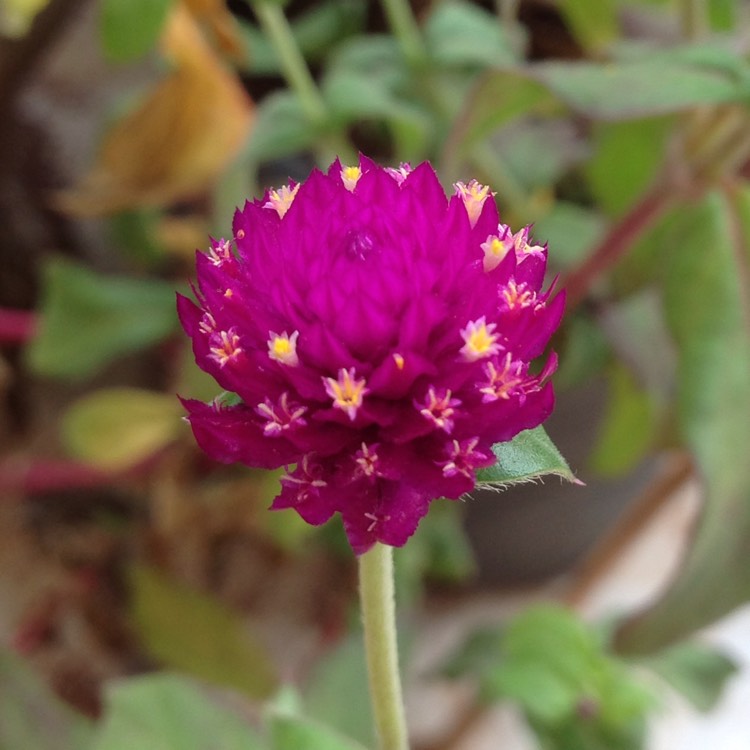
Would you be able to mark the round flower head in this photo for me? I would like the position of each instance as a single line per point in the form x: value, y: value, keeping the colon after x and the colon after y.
x: 374, y: 351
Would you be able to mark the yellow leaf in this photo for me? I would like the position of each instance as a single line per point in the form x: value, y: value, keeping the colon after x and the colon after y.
x: 176, y: 143
x: 17, y: 15
x: 115, y: 428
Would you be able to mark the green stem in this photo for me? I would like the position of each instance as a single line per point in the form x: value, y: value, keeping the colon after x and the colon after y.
x: 296, y: 72
x: 406, y: 30
x: 379, y: 617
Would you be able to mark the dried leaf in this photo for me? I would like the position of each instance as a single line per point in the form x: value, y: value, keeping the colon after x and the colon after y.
x: 178, y: 140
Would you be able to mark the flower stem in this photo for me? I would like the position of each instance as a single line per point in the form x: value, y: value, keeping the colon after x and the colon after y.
x: 379, y: 617
x: 405, y: 29
x: 296, y: 72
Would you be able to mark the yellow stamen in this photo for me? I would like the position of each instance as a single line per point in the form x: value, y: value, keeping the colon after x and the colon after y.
x: 350, y: 177
x: 480, y: 340
x: 346, y: 391
x: 399, y: 360
x: 280, y: 200
x: 283, y: 348
x: 473, y: 195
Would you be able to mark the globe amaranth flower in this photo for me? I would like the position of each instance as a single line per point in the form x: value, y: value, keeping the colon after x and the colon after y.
x: 378, y: 335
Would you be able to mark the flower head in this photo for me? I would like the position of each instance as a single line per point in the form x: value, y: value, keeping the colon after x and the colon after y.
x: 403, y: 354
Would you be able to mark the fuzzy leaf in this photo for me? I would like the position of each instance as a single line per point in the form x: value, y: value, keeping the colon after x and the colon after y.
x: 290, y: 732
x: 647, y: 84
x: 192, y: 631
x: 463, y: 34
x: 699, y: 672
x: 89, y: 320
x: 32, y: 716
x: 169, y: 713
x: 530, y: 455
x: 342, y: 672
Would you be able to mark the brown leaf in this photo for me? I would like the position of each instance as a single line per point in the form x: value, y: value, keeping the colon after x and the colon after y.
x: 178, y: 140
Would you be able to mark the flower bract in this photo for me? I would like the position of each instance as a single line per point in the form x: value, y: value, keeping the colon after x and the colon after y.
x: 375, y: 352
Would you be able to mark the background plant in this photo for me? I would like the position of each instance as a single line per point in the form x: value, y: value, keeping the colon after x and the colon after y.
x: 631, y: 161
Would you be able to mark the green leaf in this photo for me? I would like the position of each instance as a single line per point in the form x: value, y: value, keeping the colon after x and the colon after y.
x: 570, y: 230
x: 706, y: 302
x: 32, y: 716
x: 651, y: 84
x: 87, y: 320
x: 628, y: 428
x: 167, y: 712
x: 529, y: 456
x: 536, y: 153
x: 723, y: 14
x: 593, y: 22
x: 586, y: 352
x: 698, y: 671
x: 191, y: 631
x: 130, y: 28
x: 626, y: 159
x: 342, y: 672
x: 574, y: 694
x: 290, y: 732
x: 115, y: 428
x: 461, y: 34
x: 281, y: 128
x: 496, y: 98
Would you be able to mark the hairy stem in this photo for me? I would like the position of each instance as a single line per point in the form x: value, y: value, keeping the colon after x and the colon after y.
x: 379, y: 617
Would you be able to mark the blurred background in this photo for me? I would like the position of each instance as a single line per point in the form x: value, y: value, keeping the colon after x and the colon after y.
x: 129, y: 132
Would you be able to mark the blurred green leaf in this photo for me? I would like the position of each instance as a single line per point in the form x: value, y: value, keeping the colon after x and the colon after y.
x: 536, y: 152
x: 32, y: 717
x: 439, y: 550
x: 342, y: 672
x: 649, y: 84
x: 628, y: 428
x: 316, y: 31
x: 574, y: 694
x: 723, y: 14
x: 167, y: 712
x: 115, y: 428
x: 135, y: 232
x: 462, y: 34
x: 706, y: 301
x: 87, y: 320
x: 571, y: 231
x: 627, y: 157
x: 698, y: 671
x: 130, y: 28
x: 281, y: 128
x: 528, y: 456
x: 290, y: 732
x: 191, y: 631
x: 498, y: 97
x: 593, y: 22
x: 585, y: 353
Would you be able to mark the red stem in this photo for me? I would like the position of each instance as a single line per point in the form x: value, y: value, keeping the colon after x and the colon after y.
x: 616, y: 243
x: 17, y: 326
x: 21, y: 475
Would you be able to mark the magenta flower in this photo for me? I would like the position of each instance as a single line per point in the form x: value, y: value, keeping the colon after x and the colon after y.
x: 378, y: 337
